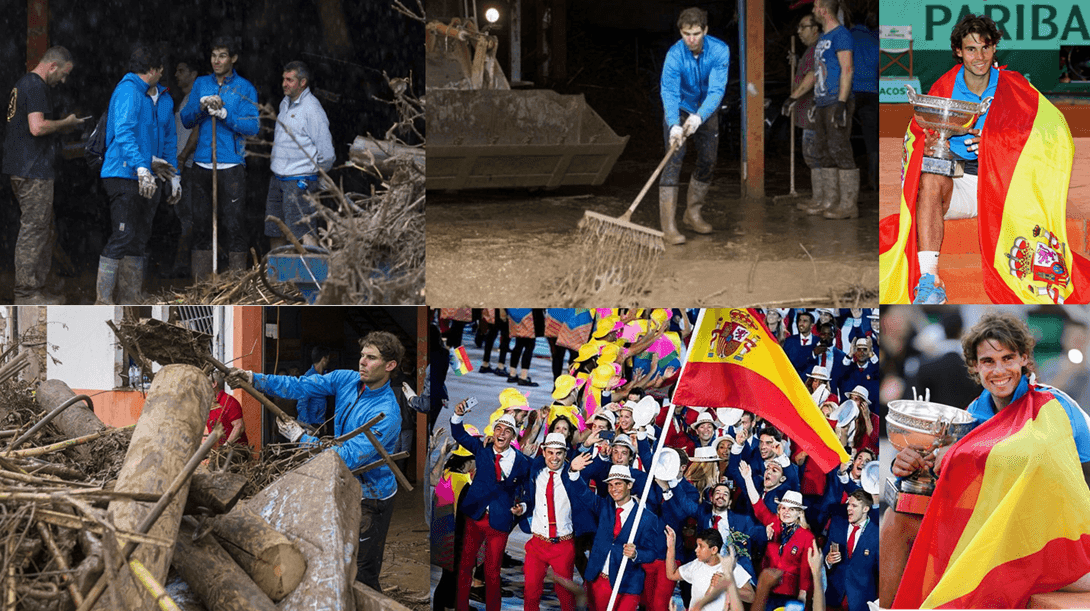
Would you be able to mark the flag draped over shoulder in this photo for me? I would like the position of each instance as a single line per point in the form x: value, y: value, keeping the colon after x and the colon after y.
x: 735, y: 362
x: 1010, y: 516
x: 1026, y: 154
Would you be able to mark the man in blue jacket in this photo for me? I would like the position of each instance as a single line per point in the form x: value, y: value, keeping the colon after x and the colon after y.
x: 853, y: 568
x: 232, y: 100
x: 359, y: 397
x: 616, y: 519
x: 490, y: 505
x: 139, y: 128
x: 694, y: 78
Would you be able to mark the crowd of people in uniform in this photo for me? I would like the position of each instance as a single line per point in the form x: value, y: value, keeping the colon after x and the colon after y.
x: 729, y: 512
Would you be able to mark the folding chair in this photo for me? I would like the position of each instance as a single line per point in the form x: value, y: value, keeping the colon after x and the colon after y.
x: 894, y: 42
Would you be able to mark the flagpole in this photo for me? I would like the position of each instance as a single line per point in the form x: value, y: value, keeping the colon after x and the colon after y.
x: 660, y: 442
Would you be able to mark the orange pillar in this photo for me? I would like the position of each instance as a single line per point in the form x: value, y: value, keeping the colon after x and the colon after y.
x: 37, y: 31
x: 753, y: 184
x: 421, y: 371
x: 248, y: 337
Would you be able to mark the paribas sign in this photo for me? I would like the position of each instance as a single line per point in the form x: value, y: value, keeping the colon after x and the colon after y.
x: 1025, y: 25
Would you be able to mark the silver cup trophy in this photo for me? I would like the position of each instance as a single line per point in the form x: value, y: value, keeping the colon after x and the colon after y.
x: 949, y: 118
x: 923, y: 426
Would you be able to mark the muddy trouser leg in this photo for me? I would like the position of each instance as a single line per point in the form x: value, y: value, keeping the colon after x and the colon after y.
x: 126, y: 219
x: 374, y: 524
x: 232, y: 205
x: 810, y: 149
x: 34, y: 246
x: 298, y: 209
x: 672, y: 172
x: 838, y: 139
x: 706, y: 141
x: 274, y: 206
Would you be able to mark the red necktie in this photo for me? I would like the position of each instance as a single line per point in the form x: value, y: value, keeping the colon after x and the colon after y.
x: 715, y: 522
x: 851, y: 540
x: 499, y: 471
x: 617, y: 524
x: 551, y: 504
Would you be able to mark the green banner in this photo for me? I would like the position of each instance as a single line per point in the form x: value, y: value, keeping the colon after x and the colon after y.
x: 1033, y: 33
x: 1026, y: 26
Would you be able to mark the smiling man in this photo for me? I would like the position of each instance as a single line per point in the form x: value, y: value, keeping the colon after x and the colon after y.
x: 359, y: 396
x: 232, y: 101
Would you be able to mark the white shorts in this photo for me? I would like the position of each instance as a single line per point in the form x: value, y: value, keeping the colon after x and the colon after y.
x: 963, y: 198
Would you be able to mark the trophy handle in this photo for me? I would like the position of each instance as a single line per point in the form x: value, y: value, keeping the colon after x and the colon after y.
x: 985, y: 105
x: 912, y: 93
x: 940, y: 428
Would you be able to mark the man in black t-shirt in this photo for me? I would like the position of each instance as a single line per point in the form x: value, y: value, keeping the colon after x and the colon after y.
x: 28, y: 159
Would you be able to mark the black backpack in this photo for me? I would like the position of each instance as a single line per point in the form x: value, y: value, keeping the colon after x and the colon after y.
x: 95, y: 150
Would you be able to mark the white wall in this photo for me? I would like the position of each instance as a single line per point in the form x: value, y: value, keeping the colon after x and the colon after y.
x: 85, y: 347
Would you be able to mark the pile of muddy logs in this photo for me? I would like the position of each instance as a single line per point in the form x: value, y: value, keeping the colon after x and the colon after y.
x: 69, y: 543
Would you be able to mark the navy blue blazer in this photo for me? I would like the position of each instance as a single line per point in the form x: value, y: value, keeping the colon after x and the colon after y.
x: 680, y: 506
x: 582, y: 521
x: 757, y: 466
x: 798, y: 354
x: 598, y: 471
x: 485, y: 493
x: 606, y: 544
x: 855, y: 577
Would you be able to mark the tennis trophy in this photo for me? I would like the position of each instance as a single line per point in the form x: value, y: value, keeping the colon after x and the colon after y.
x: 949, y: 118
x: 923, y: 426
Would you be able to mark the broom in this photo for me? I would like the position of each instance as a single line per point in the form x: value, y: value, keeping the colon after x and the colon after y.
x: 621, y: 227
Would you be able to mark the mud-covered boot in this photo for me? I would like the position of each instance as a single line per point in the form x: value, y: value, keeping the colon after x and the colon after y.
x: 130, y: 280
x: 848, y: 205
x: 107, y: 280
x: 694, y: 201
x: 827, y: 177
x: 817, y: 191
x: 668, y: 216
x: 201, y: 264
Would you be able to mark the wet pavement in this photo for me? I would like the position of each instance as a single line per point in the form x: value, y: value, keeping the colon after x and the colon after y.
x: 510, y: 246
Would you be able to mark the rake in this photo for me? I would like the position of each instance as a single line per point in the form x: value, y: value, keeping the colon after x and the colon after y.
x: 621, y: 228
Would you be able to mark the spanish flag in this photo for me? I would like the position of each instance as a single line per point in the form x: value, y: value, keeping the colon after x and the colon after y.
x: 1010, y: 516
x: 735, y: 362
x: 1026, y: 154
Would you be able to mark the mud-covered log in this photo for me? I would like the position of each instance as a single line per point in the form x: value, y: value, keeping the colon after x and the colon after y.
x: 382, y: 152
x: 274, y: 563
x: 75, y: 421
x: 213, y: 575
x: 167, y: 435
x: 215, y: 491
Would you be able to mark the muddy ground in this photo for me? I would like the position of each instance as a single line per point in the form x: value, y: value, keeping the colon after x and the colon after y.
x: 509, y: 246
x: 405, y: 567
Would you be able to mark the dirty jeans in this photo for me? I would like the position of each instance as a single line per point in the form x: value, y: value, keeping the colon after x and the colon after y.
x: 231, y: 201
x: 809, y: 149
x: 706, y: 142
x: 837, y: 152
x: 374, y: 524
x: 286, y: 202
x: 34, y: 247
x: 130, y: 218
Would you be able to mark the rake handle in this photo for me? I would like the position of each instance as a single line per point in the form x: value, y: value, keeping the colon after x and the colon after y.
x: 627, y: 216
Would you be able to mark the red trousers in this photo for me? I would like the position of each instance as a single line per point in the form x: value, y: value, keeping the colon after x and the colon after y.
x: 478, y: 531
x: 599, y: 592
x: 540, y: 555
x: 657, y: 587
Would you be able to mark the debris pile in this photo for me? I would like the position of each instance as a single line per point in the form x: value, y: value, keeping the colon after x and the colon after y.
x: 94, y: 517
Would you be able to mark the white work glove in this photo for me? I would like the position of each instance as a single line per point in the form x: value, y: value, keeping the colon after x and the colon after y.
x: 211, y: 102
x: 236, y: 375
x: 147, y: 182
x: 289, y: 429
x: 677, y: 136
x: 408, y: 390
x: 692, y: 124
x: 175, y: 190
x: 220, y: 113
